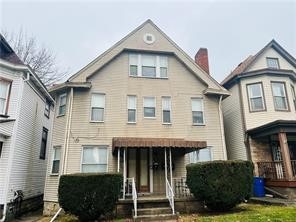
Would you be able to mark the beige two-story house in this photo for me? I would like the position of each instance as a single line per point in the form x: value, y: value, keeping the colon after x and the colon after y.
x: 260, y: 115
x: 139, y: 109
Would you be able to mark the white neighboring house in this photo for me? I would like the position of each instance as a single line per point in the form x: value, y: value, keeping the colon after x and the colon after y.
x: 26, y: 114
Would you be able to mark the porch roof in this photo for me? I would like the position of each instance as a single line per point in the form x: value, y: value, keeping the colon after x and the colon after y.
x: 136, y: 142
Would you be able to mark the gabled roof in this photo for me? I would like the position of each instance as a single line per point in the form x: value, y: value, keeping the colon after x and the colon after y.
x: 115, y: 50
x: 7, y: 53
x: 243, y: 66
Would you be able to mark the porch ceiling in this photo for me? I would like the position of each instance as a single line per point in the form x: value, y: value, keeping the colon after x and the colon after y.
x: 135, y: 142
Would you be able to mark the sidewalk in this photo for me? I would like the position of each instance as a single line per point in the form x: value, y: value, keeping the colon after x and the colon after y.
x: 272, y: 201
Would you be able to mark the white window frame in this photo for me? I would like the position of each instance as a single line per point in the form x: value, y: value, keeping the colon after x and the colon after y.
x: 47, y: 111
x: 60, y: 97
x: 6, y: 97
x: 285, y: 96
x: 162, y: 110
x: 255, y: 97
x: 132, y: 109
x: 90, y: 116
x: 203, y: 111
x: 275, y: 59
x: 95, y: 146
x: 152, y: 117
x: 293, y: 96
x: 210, y: 148
x: 139, y: 65
x: 53, y: 159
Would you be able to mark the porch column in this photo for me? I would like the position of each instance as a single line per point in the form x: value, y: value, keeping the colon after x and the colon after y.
x: 151, y: 168
x: 118, y: 160
x: 285, y: 155
x: 165, y: 170
x: 171, y: 170
x: 124, y: 172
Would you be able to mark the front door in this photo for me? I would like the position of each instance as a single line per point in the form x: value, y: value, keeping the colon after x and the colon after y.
x: 138, y: 167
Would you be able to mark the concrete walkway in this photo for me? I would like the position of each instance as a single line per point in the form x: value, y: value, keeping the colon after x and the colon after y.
x: 273, y: 201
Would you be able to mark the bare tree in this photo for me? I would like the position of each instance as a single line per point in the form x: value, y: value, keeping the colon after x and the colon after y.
x: 42, y: 60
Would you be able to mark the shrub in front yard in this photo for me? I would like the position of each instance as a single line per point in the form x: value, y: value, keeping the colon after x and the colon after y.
x: 88, y: 196
x: 221, y: 184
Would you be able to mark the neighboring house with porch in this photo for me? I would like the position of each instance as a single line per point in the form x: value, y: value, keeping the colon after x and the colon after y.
x: 141, y: 99
x: 26, y: 114
x: 260, y: 115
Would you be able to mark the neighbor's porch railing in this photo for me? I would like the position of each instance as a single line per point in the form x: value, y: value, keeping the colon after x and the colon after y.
x: 293, y: 163
x: 272, y: 170
x: 134, y: 193
x: 170, y: 195
x: 180, y: 188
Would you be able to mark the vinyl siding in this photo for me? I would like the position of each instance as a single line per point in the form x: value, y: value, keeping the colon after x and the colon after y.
x: 113, y: 80
x: 233, y: 124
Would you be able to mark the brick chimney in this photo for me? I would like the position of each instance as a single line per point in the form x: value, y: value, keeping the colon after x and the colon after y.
x: 201, y: 59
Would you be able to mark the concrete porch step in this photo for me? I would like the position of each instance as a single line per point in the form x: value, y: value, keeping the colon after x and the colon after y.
x: 162, y: 217
x: 153, y: 211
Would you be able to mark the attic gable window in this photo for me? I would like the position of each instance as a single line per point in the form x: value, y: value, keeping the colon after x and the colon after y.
x: 148, y: 65
x: 273, y: 63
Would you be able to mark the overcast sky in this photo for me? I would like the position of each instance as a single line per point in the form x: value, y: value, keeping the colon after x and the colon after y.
x: 79, y: 31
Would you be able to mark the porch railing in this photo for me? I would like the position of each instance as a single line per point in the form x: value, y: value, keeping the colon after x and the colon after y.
x: 293, y: 163
x: 271, y: 170
x: 170, y: 195
x: 129, y: 187
x: 180, y: 188
x: 135, y: 197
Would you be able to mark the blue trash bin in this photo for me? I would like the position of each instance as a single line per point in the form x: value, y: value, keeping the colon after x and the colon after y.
x: 259, y: 187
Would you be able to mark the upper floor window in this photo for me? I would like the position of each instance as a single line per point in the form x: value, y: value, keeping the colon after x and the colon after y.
x: 148, y: 65
x: 62, y: 104
x: 4, y: 92
x: 294, y: 96
x: 56, y: 159
x: 256, y: 98
x: 149, y: 107
x: 47, y: 109
x: 97, y: 107
x: 1, y: 147
x: 166, y: 110
x: 131, y: 109
x: 273, y: 63
x: 279, y: 96
x: 94, y: 159
x: 200, y: 155
x: 197, y: 111
x: 43, y: 143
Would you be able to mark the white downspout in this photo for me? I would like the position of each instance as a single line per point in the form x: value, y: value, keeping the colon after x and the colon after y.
x: 222, y: 129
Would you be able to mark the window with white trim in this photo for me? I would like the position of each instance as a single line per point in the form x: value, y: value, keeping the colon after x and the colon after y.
x: 256, y: 99
x: 62, y: 104
x: 47, y: 109
x: 4, y: 91
x: 97, y: 107
x: 94, y: 159
x: 201, y: 155
x: 166, y: 109
x: 148, y: 65
x: 43, y: 143
x: 1, y: 147
x: 197, y: 111
x: 273, y: 63
x: 149, y: 107
x: 293, y: 96
x: 56, y: 158
x: 279, y: 96
x: 131, y: 109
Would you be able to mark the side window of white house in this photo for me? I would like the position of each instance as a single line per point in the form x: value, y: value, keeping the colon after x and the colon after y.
x: 149, y: 107
x: 97, y: 107
x: 62, y: 104
x: 256, y: 98
x: 47, y: 109
x: 56, y: 158
x: 166, y: 109
x: 1, y: 147
x: 94, y: 159
x: 294, y: 96
x: 4, y: 91
x: 197, y: 111
x: 131, y: 109
x: 201, y: 155
x: 279, y: 96
x: 44, y: 136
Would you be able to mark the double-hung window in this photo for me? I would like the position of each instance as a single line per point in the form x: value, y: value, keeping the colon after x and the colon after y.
x: 131, y: 109
x: 149, y: 107
x: 97, y: 107
x: 133, y: 64
x: 43, y: 143
x: 272, y: 63
x: 166, y: 110
x: 163, y: 69
x: 47, y: 109
x: 197, y: 111
x: 94, y: 159
x: 256, y: 99
x: 201, y: 155
x: 62, y: 104
x: 148, y: 66
x: 293, y: 96
x: 4, y: 90
x: 279, y: 96
x: 56, y: 160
